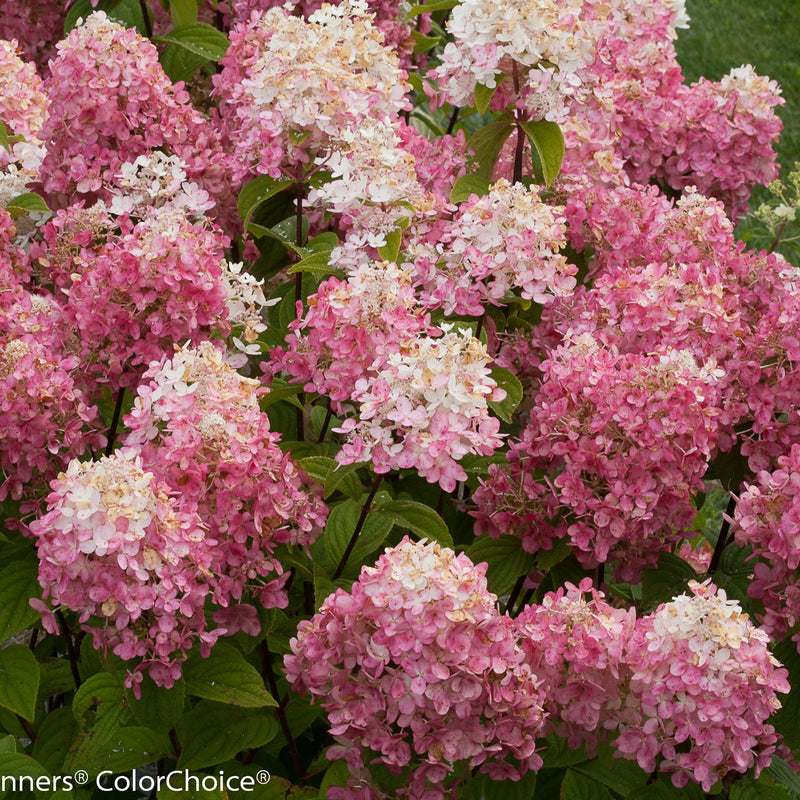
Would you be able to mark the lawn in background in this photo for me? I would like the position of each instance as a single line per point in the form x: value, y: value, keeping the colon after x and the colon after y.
x: 765, y: 33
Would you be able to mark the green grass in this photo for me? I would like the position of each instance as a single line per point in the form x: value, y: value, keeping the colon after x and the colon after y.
x: 765, y: 33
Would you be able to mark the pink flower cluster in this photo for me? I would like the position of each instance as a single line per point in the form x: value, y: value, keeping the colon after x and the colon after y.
x: 426, y: 408
x: 117, y: 547
x: 110, y: 101
x: 716, y: 136
x: 626, y: 439
x: 349, y: 325
x: 578, y: 648
x: 504, y: 241
x: 189, y: 512
x: 291, y: 86
x: 766, y: 519
x: 417, y: 666
x: 702, y: 674
x: 197, y: 425
x: 132, y: 286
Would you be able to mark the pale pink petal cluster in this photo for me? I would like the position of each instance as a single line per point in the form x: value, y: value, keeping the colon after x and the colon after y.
x: 117, y: 547
x: 704, y: 684
x: 543, y: 43
x: 578, y: 648
x: 505, y: 241
x: 290, y: 85
x: 426, y: 408
x: 767, y: 519
x: 416, y: 666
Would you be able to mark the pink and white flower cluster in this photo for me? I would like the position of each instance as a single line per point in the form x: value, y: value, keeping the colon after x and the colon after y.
x: 190, y: 510
x: 625, y: 440
x: 426, y: 408
x: 416, y: 665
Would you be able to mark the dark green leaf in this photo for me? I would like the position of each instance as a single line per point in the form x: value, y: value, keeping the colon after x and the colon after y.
x: 510, y: 790
x: 254, y: 193
x: 128, y: 748
x: 4, y: 136
x: 339, y: 529
x: 467, y: 185
x: 280, y: 390
x: 212, y: 733
x: 81, y: 9
x: 487, y: 142
x: 424, y: 43
x: 668, y: 580
x: 180, y: 64
x: 19, y: 680
x: 615, y: 773
x: 18, y: 583
x: 577, y: 786
x: 419, y: 519
x: 103, y: 690
x: 506, y: 559
x: 547, y: 559
x: 391, y: 249
x: 198, y: 38
x: 20, y: 766
x: 226, y: 676
x: 156, y: 707
x: 8, y: 744
x: 548, y: 141
x: 506, y: 380
x: 783, y: 775
x: 54, y: 738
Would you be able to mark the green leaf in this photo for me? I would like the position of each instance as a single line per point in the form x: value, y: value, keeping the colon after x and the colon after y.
x: 783, y: 775
x: 467, y: 185
x: 731, y: 468
x: 506, y: 380
x: 510, y: 790
x: 128, y: 748
x: 54, y: 738
x: 283, y: 232
x: 156, y: 707
x: 279, y: 390
x: 254, y: 193
x: 19, y: 680
x: 548, y: 142
x: 419, y: 519
x: 506, y: 559
x: 667, y: 581
x: 577, y: 786
x: 483, y: 97
x: 615, y: 773
x: 226, y: 676
x: 104, y: 690
x: 391, y: 249
x: 26, y: 203
x: 20, y: 766
x: 18, y: 582
x: 8, y: 744
x: 424, y: 43
x: 198, y: 38
x: 785, y: 719
x: 339, y: 529
x: 547, y: 559
x: 342, y: 475
x: 212, y: 733
x: 435, y: 5
x: 326, y: 240
x: 4, y: 136
x: 316, y: 264
x: 183, y: 12
x: 488, y: 141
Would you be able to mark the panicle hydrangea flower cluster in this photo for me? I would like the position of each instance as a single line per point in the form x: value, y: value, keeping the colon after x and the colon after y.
x: 290, y: 86
x: 766, y: 519
x: 44, y: 418
x: 508, y: 239
x: 133, y: 287
x: 110, y: 102
x: 438, y: 162
x: 157, y: 180
x: 578, y: 648
x: 350, y: 324
x: 426, y: 408
x: 702, y: 674
x: 36, y: 25
x: 543, y: 43
x: 627, y: 438
x: 23, y: 104
x: 197, y: 425
x: 116, y: 545
x: 664, y: 129
x: 416, y: 666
